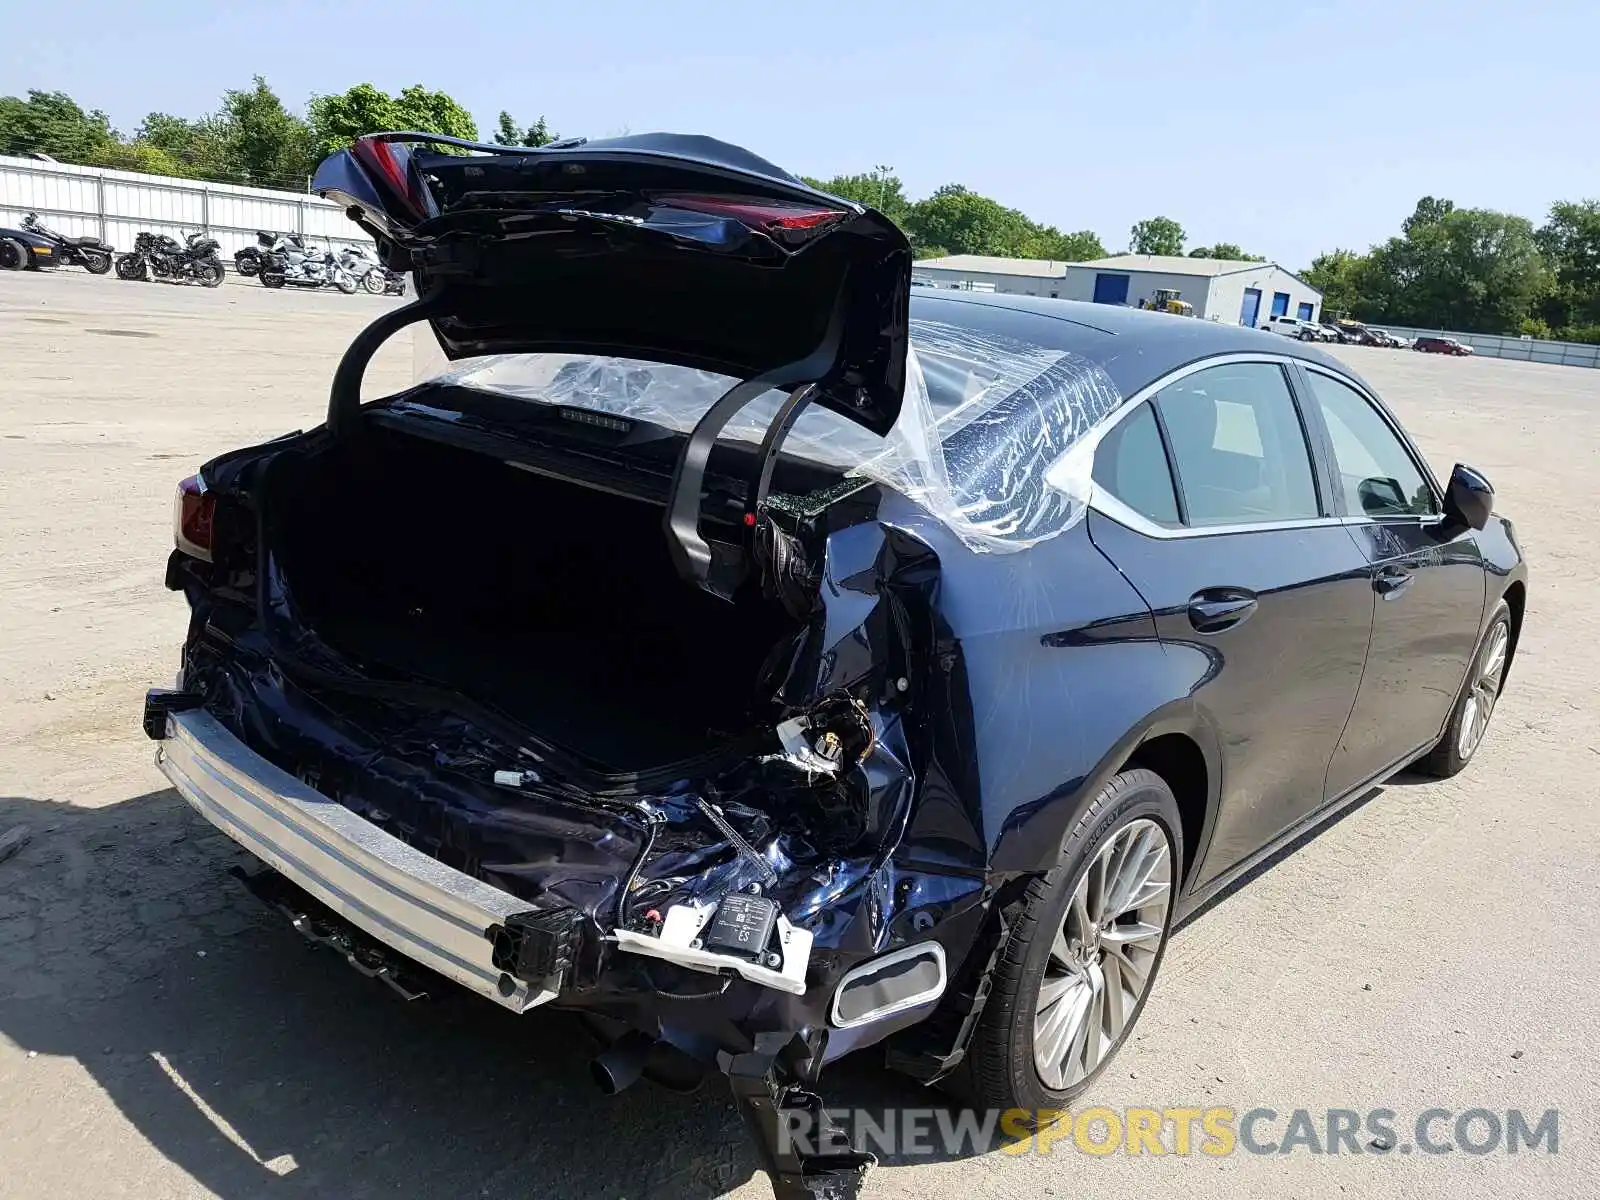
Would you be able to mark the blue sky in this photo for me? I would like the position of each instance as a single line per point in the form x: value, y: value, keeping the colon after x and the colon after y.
x: 1289, y: 128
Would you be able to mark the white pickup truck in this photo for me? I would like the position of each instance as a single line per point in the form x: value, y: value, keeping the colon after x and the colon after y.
x: 1293, y: 327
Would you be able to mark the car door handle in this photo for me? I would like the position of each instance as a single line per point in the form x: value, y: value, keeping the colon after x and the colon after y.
x: 1391, y: 582
x: 1216, y: 609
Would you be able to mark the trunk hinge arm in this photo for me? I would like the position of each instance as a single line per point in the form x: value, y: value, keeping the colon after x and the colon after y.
x: 720, y: 568
x: 344, y: 398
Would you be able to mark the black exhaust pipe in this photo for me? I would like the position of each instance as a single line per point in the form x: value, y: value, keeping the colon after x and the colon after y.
x: 621, y: 1064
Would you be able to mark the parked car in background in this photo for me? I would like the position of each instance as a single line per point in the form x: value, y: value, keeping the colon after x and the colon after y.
x: 1382, y: 337
x: 1441, y: 345
x: 1362, y: 335
x: 1294, y: 327
x: 886, y: 667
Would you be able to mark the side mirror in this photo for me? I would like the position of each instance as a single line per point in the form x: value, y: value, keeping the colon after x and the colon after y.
x: 1469, y: 498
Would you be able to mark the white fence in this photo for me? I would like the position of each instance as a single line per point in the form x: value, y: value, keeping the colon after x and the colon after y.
x: 1566, y: 354
x: 116, y: 205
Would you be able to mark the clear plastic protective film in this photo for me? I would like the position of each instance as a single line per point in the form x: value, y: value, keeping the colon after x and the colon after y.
x: 991, y: 438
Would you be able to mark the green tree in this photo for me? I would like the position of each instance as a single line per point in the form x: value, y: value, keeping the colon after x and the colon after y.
x: 137, y: 156
x: 1570, y: 242
x: 265, y: 144
x: 1046, y: 241
x: 1228, y: 251
x: 510, y: 134
x: 1157, y: 235
x: 54, y: 124
x: 197, y: 148
x: 338, y: 120
x: 1429, y: 211
x: 433, y: 112
x: 964, y: 222
x: 1471, y: 269
x: 1341, y: 277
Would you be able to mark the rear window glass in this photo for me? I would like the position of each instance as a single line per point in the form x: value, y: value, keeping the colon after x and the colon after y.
x: 984, y: 420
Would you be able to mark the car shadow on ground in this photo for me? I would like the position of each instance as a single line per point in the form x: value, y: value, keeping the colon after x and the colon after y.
x: 1288, y: 848
x: 261, y: 1065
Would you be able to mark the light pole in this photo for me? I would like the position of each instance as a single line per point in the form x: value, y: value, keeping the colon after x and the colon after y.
x: 882, y: 171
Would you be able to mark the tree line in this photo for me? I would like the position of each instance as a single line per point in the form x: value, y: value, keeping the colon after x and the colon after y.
x: 253, y: 137
x: 1468, y: 269
x: 1475, y: 270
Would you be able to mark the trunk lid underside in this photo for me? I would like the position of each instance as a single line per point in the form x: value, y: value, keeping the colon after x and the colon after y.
x: 676, y: 249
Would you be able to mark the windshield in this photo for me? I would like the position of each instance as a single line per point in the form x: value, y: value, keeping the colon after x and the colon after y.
x: 985, y: 419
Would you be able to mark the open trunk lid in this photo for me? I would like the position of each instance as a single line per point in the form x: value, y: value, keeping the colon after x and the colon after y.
x: 665, y: 247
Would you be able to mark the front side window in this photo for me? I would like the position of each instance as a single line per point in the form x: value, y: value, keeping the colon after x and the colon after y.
x: 1372, y: 467
x: 1238, y: 447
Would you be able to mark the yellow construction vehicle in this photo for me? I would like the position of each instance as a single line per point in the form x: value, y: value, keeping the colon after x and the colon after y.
x: 1168, y: 300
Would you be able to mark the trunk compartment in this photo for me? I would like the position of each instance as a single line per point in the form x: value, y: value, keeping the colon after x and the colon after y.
x: 555, y: 604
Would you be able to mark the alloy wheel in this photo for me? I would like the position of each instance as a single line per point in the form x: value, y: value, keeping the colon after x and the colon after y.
x: 1101, y: 957
x: 1484, y: 690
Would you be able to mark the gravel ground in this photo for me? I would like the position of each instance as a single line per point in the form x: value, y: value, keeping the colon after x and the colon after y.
x: 160, y: 1036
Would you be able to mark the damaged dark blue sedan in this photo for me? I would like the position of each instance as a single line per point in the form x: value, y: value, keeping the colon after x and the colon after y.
x: 766, y: 660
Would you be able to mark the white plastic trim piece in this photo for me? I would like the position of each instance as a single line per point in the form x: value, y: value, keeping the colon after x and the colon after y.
x: 683, y: 925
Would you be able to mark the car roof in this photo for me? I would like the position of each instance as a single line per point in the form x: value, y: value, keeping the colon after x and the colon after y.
x: 1132, y: 346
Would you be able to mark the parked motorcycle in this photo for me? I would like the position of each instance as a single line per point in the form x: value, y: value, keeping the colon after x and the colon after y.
x: 248, y: 261
x: 158, y: 256
x: 289, y: 262
x: 376, y: 278
x: 36, y: 245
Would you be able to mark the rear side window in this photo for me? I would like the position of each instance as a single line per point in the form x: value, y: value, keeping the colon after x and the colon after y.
x: 1372, y: 467
x: 1238, y: 446
x: 1131, y: 465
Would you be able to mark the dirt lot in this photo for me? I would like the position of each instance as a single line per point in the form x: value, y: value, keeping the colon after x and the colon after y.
x: 162, y: 1037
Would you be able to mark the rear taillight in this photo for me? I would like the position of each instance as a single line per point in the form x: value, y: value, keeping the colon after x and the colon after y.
x: 191, y: 518
x: 759, y: 213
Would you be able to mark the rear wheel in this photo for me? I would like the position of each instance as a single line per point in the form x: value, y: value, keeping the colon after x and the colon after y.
x: 13, y: 255
x: 1083, y: 953
x: 97, y: 262
x: 1469, y: 719
x: 246, y: 264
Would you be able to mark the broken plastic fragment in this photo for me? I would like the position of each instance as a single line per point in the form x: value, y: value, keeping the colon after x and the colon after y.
x: 515, y: 779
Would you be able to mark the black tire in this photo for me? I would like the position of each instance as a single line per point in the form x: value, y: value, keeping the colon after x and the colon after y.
x: 271, y: 278
x: 209, y: 272
x: 373, y: 282
x: 13, y: 255
x: 999, y: 1071
x: 1446, y: 759
x: 97, y: 262
x: 132, y: 267
x: 246, y: 264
